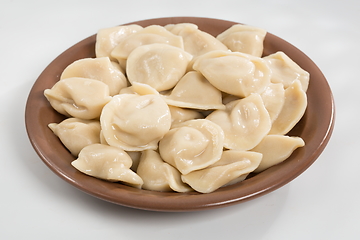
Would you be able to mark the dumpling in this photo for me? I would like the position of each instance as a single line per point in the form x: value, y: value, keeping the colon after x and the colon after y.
x: 275, y: 149
x: 232, y: 166
x: 148, y: 35
x: 245, y: 122
x: 244, y: 38
x: 235, y: 73
x: 108, y: 163
x: 195, y: 92
x: 159, y: 65
x: 101, y: 69
x: 78, y: 97
x: 134, y: 122
x: 286, y: 71
x: 108, y: 38
x: 192, y: 145
x: 274, y: 98
x: 179, y: 115
x: 140, y: 89
x: 292, y: 111
x: 196, y: 42
x: 159, y: 175
x: 76, y: 133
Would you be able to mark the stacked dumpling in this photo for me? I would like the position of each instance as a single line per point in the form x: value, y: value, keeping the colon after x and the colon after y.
x: 173, y: 108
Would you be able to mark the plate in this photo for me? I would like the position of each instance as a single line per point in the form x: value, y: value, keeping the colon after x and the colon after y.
x: 315, y: 128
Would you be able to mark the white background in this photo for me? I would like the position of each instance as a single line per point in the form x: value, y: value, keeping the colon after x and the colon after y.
x: 322, y: 203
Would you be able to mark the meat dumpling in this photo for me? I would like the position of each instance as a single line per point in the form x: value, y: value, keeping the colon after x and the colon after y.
x: 159, y: 65
x: 235, y: 73
x: 135, y: 122
x: 108, y: 163
x: 79, y: 97
x: 244, y: 38
x: 245, y: 122
x: 77, y: 133
x: 101, y: 69
x: 159, y: 175
x: 232, y: 166
x: 192, y: 145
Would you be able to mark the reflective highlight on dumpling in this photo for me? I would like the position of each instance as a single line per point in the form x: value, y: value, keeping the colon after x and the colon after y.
x: 192, y: 145
x: 232, y: 165
x: 135, y: 123
x: 76, y: 133
x: 78, y: 97
x: 275, y: 149
x: 159, y: 175
x: 243, y: 74
x: 106, y: 162
x: 245, y: 122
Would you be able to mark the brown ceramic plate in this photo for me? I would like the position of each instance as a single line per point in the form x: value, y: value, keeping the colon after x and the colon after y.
x: 315, y: 128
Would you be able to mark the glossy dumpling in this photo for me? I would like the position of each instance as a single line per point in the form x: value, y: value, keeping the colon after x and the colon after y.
x: 286, y: 71
x: 294, y: 108
x: 196, y: 42
x: 159, y: 175
x: 76, y: 133
x: 274, y: 98
x: 235, y: 73
x: 275, y: 149
x: 134, y: 122
x: 195, y: 92
x: 179, y: 115
x: 101, y: 69
x: 108, y: 38
x: 108, y: 163
x: 148, y: 35
x: 78, y: 97
x: 244, y: 38
x: 192, y: 145
x: 159, y: 65
x: 232, y: 166
x: 245, y: 122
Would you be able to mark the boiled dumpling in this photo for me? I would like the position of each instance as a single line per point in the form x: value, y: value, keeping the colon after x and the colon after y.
x: 275, y: 149
x: 108, y: 163
x: 235, y: 73
x: 78, y: 97
x: 286, y: 71
x: 76, y: 133
x: 159, y: 175
x: 179, y: 115
x: 159, y: 65
x: 148, y: 35
x: 134, y: 122
x: 232, y: 166
x: 192, y: 145
x: 108, y: 38
x: 292, y: 111
x: 195, y: 92
x: 101, y: 69
x: 274, y: 98
x: 244, y: 38
x: 245, y: 122
x: 196, y: 42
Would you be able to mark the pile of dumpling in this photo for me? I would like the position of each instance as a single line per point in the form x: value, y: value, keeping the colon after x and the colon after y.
x: 173, y: 108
